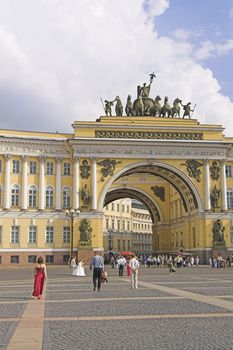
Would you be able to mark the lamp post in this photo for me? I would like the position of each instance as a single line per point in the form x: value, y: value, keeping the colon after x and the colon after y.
x: 72, y: 214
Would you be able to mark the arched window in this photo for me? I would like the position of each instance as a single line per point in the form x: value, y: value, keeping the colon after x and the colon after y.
x: 32, y: 197
x: 66, y: 197
x: 229, y: 198
x: 49, y: 197
x: 15, y: 196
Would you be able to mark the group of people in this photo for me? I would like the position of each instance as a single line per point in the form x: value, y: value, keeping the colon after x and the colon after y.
x: 99, y: 273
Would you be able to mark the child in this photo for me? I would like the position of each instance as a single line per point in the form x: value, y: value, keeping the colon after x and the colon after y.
x: 171, y: 268
x: 104, y: 276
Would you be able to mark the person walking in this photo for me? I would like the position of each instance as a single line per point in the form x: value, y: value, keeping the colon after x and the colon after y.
x: 121, y: 262
x: 97, y: 264
x: 134, y: 266
x: 40, y: 276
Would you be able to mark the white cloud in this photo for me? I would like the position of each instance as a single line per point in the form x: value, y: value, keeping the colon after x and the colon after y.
x: 209, y: 49
x: 57, y: 59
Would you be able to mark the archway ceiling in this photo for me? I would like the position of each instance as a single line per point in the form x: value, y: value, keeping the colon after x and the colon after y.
x: 120, y: 193
x: 182, y: 187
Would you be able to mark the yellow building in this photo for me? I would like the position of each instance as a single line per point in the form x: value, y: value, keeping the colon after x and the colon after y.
x: 127, y: 226
x: 179, y: 169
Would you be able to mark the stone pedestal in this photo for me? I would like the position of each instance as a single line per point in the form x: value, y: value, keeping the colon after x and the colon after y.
x: 220, y: 249
x: 85, y: 253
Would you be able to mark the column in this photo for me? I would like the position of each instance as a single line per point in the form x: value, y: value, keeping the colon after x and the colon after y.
x: 93, y: 185
x: 7, y: 182
x: 76, y: 184
x: 24, y: 203
x: 41, y: 184
x: 207, y: 185
x: 224, y: 185
x: 58, y: 184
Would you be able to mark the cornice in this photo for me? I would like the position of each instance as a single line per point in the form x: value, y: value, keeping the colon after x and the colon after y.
x: 30, y: 147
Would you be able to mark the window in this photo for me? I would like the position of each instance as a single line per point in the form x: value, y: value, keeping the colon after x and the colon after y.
x: 49, y: 168
x: 66, y: 168
x: 49, y: 234
x: 32, y: 197
x: 0, y: 234
x: 229, y: 198
x: 112, y: 206
x: 0, y: 196
x: 49, y: 197
x: 118, y: 245
x: 128, y: 225
x: 14, y: 234
x: 15, y: 196
x: 123, y: 207
x: 31, y: 259
x: 66, y: 234
x: 127, y: 208
x: 107, y: 223
x: 124, y: 246
x: 118, y: 224
x: 66, y: 259
x: 231, y: 233
x: 123, y: 225
x: 49, y: 259
x: 118, y: 207
x: 32, y: 234
x: 228, y: 171
x: 66, y: 197
x: 106, y: 207
x: 0, y: 165
x: 15, y: 166
x: 14, y: 259
x: 128, y: 245
x: 113, y: 223
x: 33, y: 167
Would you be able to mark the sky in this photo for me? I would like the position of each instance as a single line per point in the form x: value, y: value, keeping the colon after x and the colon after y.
x: 58, y: 58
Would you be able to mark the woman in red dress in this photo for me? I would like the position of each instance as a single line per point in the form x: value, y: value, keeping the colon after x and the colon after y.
x: 40, y: 275
x: 128, y: 269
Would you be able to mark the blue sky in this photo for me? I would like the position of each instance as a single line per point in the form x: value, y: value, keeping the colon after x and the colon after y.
x: 59, y: 57
x: 210, y: 20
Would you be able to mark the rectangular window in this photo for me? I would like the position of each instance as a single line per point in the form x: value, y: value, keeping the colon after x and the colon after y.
x: 49, y: 234
x: 112, y: 206
x: 228, y: 171
x: 128, y: 225
x: 14, y: 234
x: 49, y: 168
x: 14, y: 259
x: 0, y: 234
x: 127, y: 208
x: 118, y: 245
x: 231, y: 233
x: 33, y: 167
x: 123, y: 225
x: 128, y: 246
x: 32, y: 234
x: 66, y: 259
x: 123, y: 207
x: 49, y: 259
x: 107, y: 223
x: 66, y: 234
x: 66, y: 168
x: 118, y: 207
x: 15, y: 169
x: 31, y: 259
x: 118, y: 224
x: 113, y: 224
x: 0, y: 165
x: 124, y: 246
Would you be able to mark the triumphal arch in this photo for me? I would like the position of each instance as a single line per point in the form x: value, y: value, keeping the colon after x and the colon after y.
x: 161, y: 155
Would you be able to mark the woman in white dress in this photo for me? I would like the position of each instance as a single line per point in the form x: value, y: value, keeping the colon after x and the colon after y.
x: 79, y: 271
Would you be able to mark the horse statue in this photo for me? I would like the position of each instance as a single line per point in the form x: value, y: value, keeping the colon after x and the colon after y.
x: 129, y: 106
x: 118, y: 107
x: 175, y: 111
x: 166, y: 109
x: 138, y: 106
x: 156, y: 108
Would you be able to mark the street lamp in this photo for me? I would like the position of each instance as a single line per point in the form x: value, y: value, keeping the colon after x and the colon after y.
x: 72, y: 214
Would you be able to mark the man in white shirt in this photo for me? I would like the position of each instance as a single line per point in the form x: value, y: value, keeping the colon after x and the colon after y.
x: 121, y: 262
x: 134, y: 266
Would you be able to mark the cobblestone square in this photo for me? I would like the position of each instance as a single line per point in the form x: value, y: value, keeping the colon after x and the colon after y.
x: 191, y: 309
